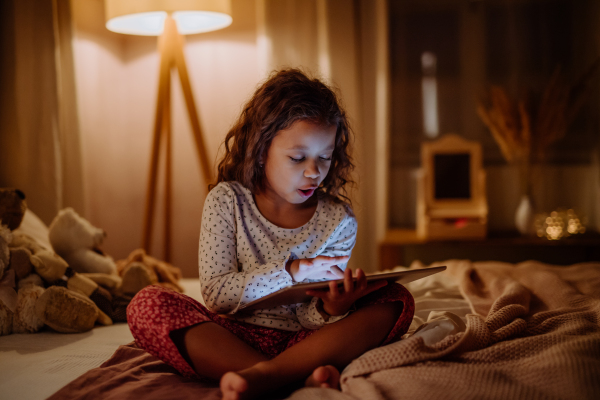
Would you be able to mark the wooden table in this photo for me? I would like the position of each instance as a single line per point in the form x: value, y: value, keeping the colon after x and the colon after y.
x: 402, y: 247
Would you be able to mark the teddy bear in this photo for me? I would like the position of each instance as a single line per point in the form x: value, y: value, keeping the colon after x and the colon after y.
x: 139, y: 270
x: 77, y: 241
x: 25, y: 304
x: 56, y: 272
x: 17, y: 308
x: 63, y: 308
x: 19, y: 289
x: 12, y: 207
x: 5, y: 239
x: 12, y: 210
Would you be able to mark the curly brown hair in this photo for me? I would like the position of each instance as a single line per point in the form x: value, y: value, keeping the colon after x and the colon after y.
x: 286, y: 97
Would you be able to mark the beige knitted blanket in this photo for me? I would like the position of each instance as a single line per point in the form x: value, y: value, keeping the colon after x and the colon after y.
x: 534, y: 334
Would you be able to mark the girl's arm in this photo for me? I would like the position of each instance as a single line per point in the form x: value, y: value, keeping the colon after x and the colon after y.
x: 342, y: 241
x: 225, y: 287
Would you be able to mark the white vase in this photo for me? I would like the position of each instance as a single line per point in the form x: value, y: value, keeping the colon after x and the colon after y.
x: 524, y: 217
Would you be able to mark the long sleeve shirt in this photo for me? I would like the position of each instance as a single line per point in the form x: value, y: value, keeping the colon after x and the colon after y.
x: 242, y: 255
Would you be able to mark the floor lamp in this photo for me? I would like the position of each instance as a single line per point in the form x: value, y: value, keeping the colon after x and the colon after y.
x: 169, y: 20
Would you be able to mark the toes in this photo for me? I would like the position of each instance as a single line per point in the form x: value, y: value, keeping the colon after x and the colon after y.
x: 325, y: 377
x: 232, y: 385
x: 333, y: 377
x: 321, y: 375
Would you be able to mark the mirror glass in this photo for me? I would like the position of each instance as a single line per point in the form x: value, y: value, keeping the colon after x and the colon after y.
x: 452, y: 176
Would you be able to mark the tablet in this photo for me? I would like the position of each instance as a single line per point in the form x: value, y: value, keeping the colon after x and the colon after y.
x: 297, y: 293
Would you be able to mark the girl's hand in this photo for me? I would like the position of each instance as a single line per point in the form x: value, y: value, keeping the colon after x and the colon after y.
x: 316, y: 268
x: 338, y: 303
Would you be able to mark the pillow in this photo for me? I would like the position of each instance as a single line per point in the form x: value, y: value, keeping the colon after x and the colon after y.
x: 33, y: 226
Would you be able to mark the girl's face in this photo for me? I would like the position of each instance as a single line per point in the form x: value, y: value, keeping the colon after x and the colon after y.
x: 298, y: 161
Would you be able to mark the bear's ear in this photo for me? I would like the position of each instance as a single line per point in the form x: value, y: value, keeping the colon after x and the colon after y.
x: 12, y: 207
x: 68, y: 213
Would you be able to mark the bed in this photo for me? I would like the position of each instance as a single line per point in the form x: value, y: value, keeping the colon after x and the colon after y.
x: 481, y: 330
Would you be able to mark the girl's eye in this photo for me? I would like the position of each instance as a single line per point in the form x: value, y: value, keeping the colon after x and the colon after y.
x: 326, y: 158
x: 297, y: 159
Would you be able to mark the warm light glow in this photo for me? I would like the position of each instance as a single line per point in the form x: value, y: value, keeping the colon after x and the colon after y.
x: 559, y: 224
x: 429, y: 95
x: 574, y: 224
x: 147, y: 17
x: 152, y: 23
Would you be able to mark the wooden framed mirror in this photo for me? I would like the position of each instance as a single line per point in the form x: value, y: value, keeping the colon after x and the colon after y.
x: 451, y: 201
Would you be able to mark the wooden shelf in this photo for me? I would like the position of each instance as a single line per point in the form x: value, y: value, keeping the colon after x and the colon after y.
x: 402, y: 247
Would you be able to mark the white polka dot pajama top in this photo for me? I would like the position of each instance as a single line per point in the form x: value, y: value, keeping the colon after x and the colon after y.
x: 243, y: 255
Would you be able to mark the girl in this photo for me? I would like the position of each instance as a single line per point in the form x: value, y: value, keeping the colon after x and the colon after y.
x: 278, y: 215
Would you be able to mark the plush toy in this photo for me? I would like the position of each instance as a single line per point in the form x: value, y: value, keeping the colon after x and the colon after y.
x: 8, y: 298
x: 12, y: 207
x: 77, y: 242
x: 25, y: 305
x: 66, y: 308
x: 26, y: 319
x: 12, y: 210
x: 19, y: 291
x: 56, y: 272
x: 140, y: 270
x: 16, y: 313
x: 5, y: 239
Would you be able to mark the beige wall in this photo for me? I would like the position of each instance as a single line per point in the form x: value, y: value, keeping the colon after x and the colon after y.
x: 117, y: 81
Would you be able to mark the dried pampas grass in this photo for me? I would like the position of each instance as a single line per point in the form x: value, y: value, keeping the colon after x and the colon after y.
x: 524, y: 130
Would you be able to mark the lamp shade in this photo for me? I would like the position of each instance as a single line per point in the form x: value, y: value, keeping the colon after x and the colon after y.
x: 146, y: 17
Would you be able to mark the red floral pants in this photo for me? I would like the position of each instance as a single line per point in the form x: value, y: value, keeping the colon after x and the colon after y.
x: 156, y: 311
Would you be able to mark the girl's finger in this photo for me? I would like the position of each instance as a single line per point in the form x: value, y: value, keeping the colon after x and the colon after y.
x: 333, y: 288
x: 340, y: 259
x: 329, y: 261
x: 361, y: 279
x: 374, y: 286
x: 317, y: 270
x: 323, y: 269
x: 337, y: 271
x: 322, y: 294
x: 334, y: 277
x: 317, y: 265
x: 306, y: 264
x: 348, y: 282
x: 319, y: 275
x: 325, y: 274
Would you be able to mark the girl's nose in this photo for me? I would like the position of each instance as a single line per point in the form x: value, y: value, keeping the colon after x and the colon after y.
x: 312, y: 170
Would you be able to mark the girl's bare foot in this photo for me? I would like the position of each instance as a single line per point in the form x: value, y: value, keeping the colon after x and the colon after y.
x: 324, y: 377
x: 249, y: 383
x: 233, y: 386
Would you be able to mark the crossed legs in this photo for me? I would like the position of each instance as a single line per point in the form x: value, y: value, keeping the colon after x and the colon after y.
x: 215, y: 352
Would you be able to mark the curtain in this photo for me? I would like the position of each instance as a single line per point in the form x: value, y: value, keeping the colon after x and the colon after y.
x: 39, y: 136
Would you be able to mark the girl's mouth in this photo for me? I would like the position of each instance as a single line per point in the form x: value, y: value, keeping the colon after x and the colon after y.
x: 306, y: 193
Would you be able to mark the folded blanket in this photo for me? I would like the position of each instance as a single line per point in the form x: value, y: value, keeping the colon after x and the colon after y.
x: 535, y: 333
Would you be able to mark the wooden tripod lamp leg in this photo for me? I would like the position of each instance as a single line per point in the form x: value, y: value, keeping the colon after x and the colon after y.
x: 191, y: 107
x: 167, y: 133
x: 163, y: 93
x: 170, y: 46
